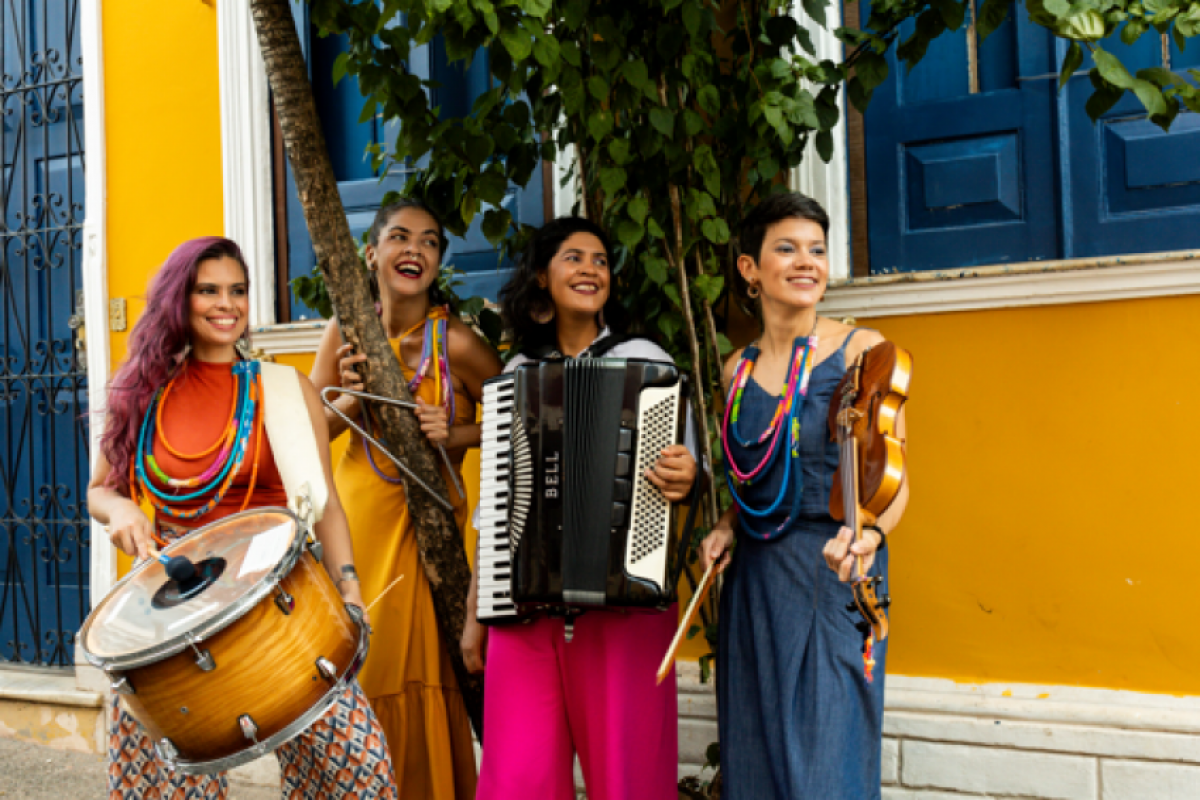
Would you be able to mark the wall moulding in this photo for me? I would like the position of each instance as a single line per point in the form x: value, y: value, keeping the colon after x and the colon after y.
x: 1007, y: 286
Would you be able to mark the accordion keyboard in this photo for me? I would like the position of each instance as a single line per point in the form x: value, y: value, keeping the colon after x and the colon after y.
x: 496, y: 460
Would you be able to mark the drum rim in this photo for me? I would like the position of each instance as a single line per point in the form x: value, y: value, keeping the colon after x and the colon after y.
x: 291, y: 731
x: 219, y: 621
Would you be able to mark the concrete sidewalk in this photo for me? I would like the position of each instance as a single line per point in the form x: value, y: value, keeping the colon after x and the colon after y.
x: 36, y: 772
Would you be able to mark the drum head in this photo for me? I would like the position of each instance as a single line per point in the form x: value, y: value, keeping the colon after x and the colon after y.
x: 239, y: 558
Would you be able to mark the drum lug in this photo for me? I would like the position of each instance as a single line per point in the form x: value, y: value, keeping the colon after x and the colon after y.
x: 317, y: 550
x: 327, y: 669
x: 167, y: 751
x: 249, y: 729
x: 204, y: 659
x: 120, y: 684
x: 285, y: 601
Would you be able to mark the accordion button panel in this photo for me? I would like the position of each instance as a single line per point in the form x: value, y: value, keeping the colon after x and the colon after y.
x: 495, y: 560
x: 650, y: 512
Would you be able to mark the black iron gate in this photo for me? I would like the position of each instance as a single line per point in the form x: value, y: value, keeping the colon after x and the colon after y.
x: 44, y: 550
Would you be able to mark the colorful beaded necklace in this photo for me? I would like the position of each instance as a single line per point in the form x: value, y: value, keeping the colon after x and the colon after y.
x: 435, y: 358
x: 787, y: 412
x: 245, y: 419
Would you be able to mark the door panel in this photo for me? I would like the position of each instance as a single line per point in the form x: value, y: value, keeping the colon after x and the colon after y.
x: 960, y: 178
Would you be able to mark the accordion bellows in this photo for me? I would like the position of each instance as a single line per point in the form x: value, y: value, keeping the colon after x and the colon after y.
x: 568, y: 520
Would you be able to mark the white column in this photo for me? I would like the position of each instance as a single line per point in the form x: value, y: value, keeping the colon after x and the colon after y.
x: 95, y: 266
x: 828, y: 183
x: 246, y: 152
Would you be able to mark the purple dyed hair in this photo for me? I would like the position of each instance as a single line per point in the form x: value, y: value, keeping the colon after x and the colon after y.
x: 156, y: 349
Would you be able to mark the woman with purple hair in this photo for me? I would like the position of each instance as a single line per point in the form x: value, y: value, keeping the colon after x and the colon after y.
x: 188, y: 371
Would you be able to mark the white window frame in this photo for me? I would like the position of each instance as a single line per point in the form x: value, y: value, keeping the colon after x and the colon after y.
x: 103, y: 562
x: 246, y: 153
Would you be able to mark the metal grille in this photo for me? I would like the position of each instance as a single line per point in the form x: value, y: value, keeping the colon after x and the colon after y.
x: 44, y: 547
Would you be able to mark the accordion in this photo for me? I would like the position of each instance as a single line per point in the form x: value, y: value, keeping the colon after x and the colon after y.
x: 568, y: 520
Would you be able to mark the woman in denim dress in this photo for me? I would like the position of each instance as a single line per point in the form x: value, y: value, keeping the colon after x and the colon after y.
x: 798, y: 718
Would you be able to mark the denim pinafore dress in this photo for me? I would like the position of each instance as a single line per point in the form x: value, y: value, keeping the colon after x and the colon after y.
x: 797, y: 718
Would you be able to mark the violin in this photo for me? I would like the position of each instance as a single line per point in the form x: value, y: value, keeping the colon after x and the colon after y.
x: 863, y: 417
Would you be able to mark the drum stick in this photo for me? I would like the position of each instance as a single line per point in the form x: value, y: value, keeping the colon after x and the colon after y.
x: 379, y: 596
x: 688, y: 617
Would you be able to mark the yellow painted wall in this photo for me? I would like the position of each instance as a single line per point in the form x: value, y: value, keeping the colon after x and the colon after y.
x: 162, y: 125
x: 1051, y: 536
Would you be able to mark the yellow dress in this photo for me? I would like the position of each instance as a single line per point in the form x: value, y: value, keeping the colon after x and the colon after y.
x: 407, y: 675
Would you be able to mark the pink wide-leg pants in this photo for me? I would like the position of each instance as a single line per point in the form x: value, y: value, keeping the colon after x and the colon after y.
x: 547, y: 699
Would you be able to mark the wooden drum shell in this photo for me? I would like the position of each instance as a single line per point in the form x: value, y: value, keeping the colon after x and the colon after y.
x: 265, y: 666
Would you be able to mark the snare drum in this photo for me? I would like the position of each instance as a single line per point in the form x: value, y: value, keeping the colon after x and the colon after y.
x: 226, y: 665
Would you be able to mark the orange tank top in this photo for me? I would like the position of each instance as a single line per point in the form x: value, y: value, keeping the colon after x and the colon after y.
x: 194, y: 416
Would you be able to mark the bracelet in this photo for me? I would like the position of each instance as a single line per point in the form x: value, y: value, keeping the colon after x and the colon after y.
x: 882, y: 536
x: 349, y: 573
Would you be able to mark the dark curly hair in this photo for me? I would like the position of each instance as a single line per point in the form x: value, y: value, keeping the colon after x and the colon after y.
x: 382, y: 217
x: 522, y: 298
x: 772, y: 210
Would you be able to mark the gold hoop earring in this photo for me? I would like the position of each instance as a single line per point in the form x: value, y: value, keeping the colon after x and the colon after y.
x: 544, y: 315
x: 752, y: 291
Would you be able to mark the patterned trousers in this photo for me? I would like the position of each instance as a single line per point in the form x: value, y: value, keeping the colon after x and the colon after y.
x: 341, y: 756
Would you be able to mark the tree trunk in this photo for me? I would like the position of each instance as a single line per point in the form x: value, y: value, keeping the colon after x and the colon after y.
x: 438, y: 537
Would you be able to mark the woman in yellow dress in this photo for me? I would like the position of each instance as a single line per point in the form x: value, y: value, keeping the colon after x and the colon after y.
x: 407, y: 675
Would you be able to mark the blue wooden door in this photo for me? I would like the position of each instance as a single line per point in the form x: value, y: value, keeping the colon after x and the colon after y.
x: 1011, y: 170
x: 956, y: 176
x: 44, y: 554
x: 1133, y: 188
x: 362, y: 187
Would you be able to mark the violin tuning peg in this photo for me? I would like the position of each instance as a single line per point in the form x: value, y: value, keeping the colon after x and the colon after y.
x: 863, y: 627
x: 851, y: 607
x: 886, y: 601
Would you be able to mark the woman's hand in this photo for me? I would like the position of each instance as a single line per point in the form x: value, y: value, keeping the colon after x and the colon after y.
x: 130, y: 529
x: 674, y: 472
x: 351, y: 592
x: 715, y: 547
x: 474, y: 643
x: 435, y: 422
x: 349, y: 378
x: 841, y: 552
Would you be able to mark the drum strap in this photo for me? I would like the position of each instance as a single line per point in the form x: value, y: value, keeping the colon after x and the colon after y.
x: 293, y: 443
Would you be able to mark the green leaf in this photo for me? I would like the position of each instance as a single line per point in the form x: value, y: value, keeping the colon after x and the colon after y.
x: 991, y: 17
x: 612, y: 180
x: 599, y: 124
x: 654, y: 229
x: 629, y: 233
x: 693, y: 123
x: 656, y: 269
x: 662, y: 120
x: 1071, y: 62
x: 547, y: 51
x: 495, y: 223
x: 825, y: 145
x: 1133, y: 30
x: 638, y: 208
x: 692, y: 17
x: 706, y: 164
x: 953, y: 13
x: 724, y: 344
x: 517, y: 42
x: 598, y: 87
x: 1103, y: 98
x: 339, y: 67
x: 618, y: 149
x: 709, y: 99
x: 536, y: 8
x: 871, y: 69
x: 1111, y: 69
x: 816, y: 10
x: 491, y: 187
x: 1151, y: 97
x: 570, y: 53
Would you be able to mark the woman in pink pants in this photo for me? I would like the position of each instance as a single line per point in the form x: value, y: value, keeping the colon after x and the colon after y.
x: 547, y: 699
